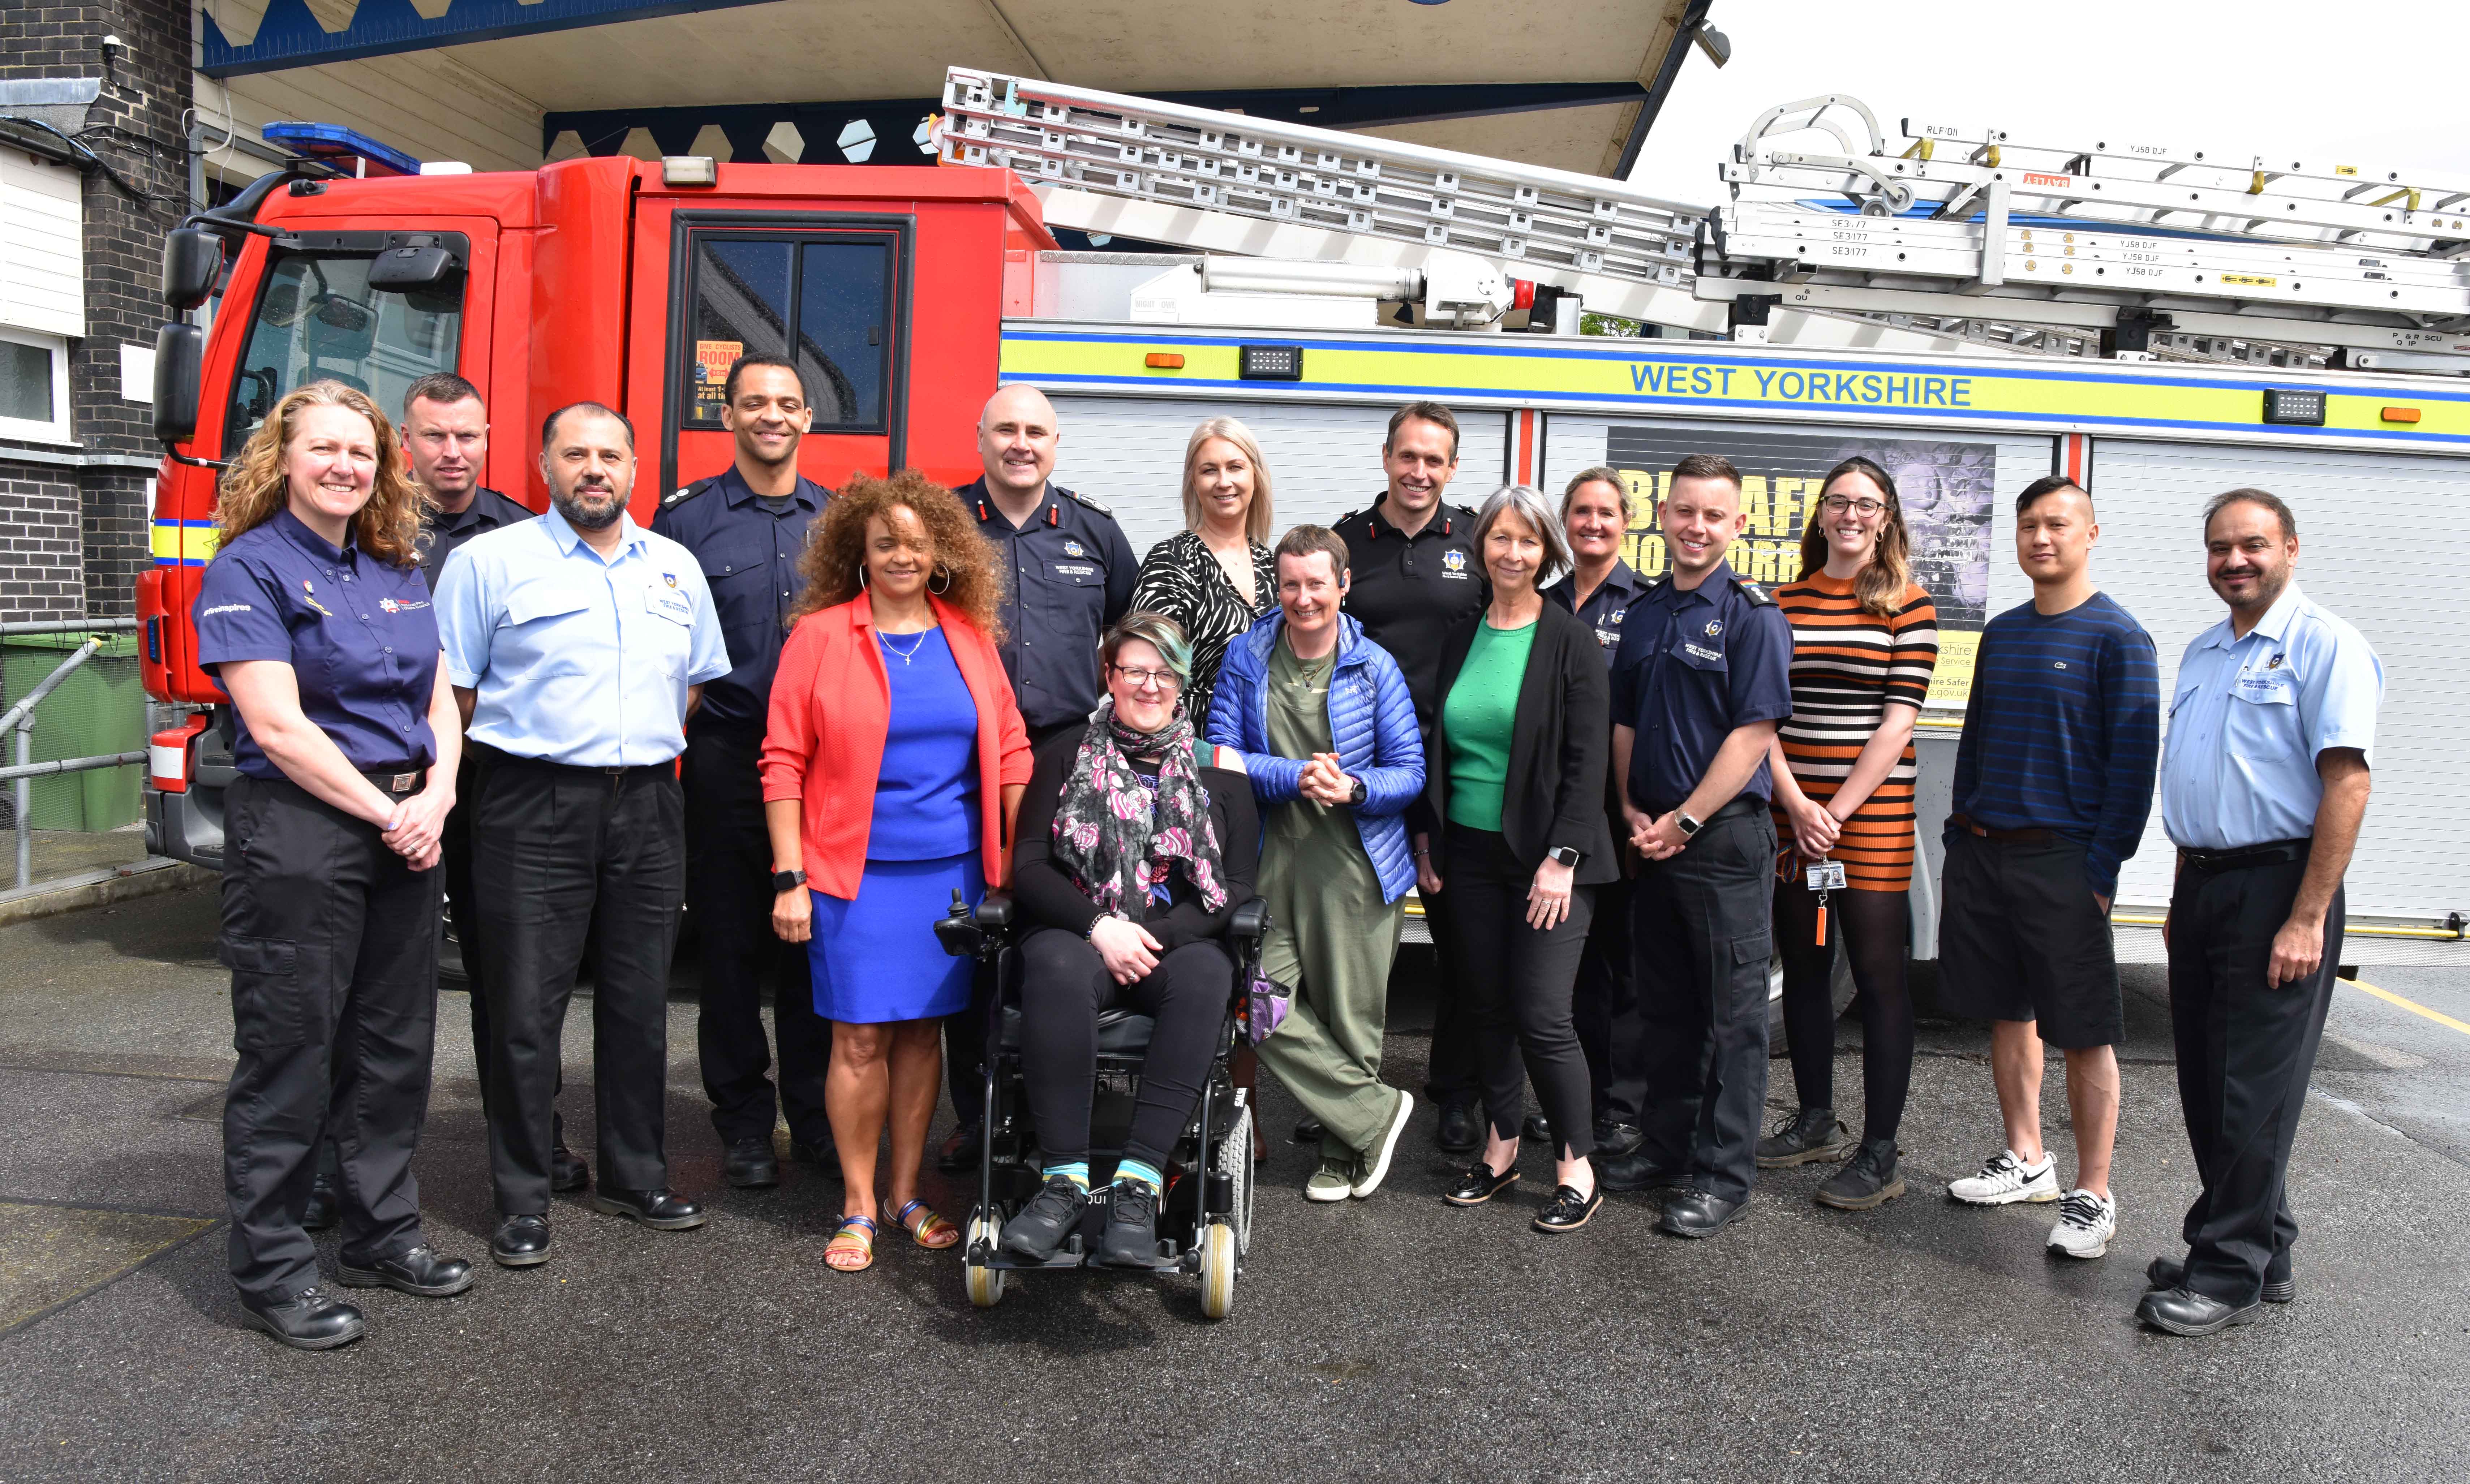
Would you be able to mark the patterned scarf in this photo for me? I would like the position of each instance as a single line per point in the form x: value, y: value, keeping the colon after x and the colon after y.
x: 1118, y: 836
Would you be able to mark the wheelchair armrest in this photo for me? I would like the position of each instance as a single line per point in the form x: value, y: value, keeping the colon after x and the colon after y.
x: 975, y: 933
x: 1250, y: 920
x: 994, y: 912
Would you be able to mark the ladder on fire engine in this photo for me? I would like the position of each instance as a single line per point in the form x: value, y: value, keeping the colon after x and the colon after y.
x: 1973, y: 223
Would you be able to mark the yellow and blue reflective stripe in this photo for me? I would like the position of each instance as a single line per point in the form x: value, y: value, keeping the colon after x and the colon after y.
x: 183, y: 542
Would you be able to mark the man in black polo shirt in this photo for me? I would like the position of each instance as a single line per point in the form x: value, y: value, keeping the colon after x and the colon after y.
x: 1416, y: 572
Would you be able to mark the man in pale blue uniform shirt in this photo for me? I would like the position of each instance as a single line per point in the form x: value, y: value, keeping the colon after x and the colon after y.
x: 577, y: 645
x: 2264, y: 780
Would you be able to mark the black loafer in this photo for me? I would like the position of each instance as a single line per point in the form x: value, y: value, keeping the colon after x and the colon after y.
x: 2185, y: 1311
x: 751, y: 1165
x: 1309, y: 1131
x: 1051, y: 1215
x: 1613, y: 1140
x: 1460, y: 1129
x: 1637, y: 1171
x: 959, y: 1151
x: 521, y: 1241
x: 309, y: 1321
x: 324, y: 1208
x: 1130, y: 1239
x: 1695, y: 1213
x: 2171, y: 1273
x: 657, y: 1209
x: 418, y: 1272
x: 1479, y: 1184
x: 1568, y: 1209
x: 566, y: 1170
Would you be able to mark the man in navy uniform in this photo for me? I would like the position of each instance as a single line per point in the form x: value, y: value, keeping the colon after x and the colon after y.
x: 1068, y: 575
x: 746, y: 526
x: 1416, y: 573
x: 1700, y: 683
x: 2264, y: 781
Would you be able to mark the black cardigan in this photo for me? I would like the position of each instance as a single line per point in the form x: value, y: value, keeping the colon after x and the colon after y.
x: 1044, y: 888
x: 1559, y: 749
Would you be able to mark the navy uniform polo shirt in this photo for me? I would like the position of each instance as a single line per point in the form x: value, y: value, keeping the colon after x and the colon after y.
x: 1691, y: 667
x: 1607, y: 607
x: 1408, y: 591
x: 441, y: 533
x: 358, y: 633
x: 748, y: 547
x: 1067, y: 575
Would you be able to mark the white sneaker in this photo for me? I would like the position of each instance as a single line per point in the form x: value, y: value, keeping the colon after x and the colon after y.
x: 1376, y: 1159
x: 2086, y: 1222
x: 2004, y: 1179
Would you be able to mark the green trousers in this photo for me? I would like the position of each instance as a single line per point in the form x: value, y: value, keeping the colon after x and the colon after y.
x: 1331, y: 940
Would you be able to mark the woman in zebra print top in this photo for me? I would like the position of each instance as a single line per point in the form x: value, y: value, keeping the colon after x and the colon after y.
x: 1215, y: 577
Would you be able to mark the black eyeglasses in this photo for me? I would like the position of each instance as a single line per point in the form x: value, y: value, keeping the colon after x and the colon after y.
x: 1141, y: 680
x: 1838, y: 504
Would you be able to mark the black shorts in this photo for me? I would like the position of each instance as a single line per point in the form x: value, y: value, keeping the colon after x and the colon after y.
x: 2020, y: 937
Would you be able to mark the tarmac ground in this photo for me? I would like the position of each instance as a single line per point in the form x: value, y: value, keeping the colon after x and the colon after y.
x: 1390, y: 1339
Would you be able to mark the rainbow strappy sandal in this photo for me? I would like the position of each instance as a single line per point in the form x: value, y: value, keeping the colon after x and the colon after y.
x: 928, y: 1229
x: 856, y: 1235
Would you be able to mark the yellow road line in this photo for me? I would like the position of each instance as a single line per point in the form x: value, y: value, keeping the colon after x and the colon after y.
x: 2415, y: 1008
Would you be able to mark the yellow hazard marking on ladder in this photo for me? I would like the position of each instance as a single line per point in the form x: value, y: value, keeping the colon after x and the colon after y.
x: 2251, y: 280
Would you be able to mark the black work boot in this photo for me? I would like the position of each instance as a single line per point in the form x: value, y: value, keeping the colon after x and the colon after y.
x: 1052, y: 1215
x: 1807, y: 1136
x: 1867, y: 1181
x: 1130, y: 1239
x: 309, y: 1320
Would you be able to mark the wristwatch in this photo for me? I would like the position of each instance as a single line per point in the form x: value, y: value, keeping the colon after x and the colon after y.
x: 1563, y: 855
x: 1359, y: 793
x: 783, y: 880
x: 1687, y: 825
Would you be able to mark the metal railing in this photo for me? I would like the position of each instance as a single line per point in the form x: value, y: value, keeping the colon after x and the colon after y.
x: 19, y: 719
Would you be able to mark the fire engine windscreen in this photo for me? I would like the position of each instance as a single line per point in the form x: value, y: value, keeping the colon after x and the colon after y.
x: 317, y: 319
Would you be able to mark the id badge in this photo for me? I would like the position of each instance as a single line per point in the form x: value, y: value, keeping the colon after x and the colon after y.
x: 1824, y: 875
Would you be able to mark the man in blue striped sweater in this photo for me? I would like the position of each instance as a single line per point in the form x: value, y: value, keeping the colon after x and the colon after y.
x: 2053, y: 784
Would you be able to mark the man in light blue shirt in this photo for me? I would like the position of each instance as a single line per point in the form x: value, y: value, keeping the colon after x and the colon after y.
x: 578, y: 643
x: 2264, y: 781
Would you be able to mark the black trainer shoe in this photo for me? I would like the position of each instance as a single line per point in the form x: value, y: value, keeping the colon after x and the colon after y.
x: 1052, y: 1215
x: 311, y: 1320
x: 1804, y: 1137
x: 1130, y: 1239
x: 324, y: 1206
x: 1867, y: 1181
x: 749, y: 1163
x: 2172, y: 1274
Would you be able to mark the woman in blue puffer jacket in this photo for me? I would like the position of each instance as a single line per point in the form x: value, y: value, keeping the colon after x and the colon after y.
x: 1328, y: 735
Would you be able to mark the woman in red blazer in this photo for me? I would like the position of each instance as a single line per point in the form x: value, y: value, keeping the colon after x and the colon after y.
x: 892, y: 769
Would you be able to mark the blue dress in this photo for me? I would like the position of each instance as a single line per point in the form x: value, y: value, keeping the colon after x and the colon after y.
x: 875, y: 957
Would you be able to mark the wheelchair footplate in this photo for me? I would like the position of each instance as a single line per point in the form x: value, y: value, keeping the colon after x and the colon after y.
x: 1081, y: 1248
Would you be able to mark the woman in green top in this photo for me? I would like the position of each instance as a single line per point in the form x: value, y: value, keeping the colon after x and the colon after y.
x: 1516, y: 783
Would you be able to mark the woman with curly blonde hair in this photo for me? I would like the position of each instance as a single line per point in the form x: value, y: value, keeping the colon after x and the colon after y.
x: 893, y: 771
x: 313, y: 618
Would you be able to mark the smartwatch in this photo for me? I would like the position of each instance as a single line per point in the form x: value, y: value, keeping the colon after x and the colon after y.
x: 783, y: 880
x: 1359, y: 793
x: 1563, y: 855
x: 1687, y: 825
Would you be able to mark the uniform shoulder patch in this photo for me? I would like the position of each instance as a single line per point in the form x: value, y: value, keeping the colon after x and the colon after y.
x: 1078, y: 499
x: 677, y: 497
x: 1758, y: 596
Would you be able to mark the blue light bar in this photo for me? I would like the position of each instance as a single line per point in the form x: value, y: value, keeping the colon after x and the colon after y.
x: 331, y: 144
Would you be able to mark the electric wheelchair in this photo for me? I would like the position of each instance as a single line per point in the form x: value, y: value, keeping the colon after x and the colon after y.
x: 1206, y: 1215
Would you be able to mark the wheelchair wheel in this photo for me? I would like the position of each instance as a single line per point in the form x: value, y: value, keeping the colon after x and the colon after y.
x: 1217, y: 1270
x: 1234, y: 1160
x: 986, y: 1284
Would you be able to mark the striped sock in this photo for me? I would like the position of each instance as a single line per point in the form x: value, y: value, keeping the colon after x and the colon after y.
x: 1076, y: 1172
x: 1141, y: 1171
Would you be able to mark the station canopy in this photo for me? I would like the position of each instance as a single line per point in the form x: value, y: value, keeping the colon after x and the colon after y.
x: 849, y: 81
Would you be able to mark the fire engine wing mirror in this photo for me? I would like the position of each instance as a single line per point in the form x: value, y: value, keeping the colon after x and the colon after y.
x: 192, y: 257
x: 180, y: 370
x: 411, y: 267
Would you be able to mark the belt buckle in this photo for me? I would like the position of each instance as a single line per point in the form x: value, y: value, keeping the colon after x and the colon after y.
x: 403, y: 782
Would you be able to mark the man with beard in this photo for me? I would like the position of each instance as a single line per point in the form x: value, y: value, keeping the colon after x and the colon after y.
x: 578, y: 643
x: 2264, y: 781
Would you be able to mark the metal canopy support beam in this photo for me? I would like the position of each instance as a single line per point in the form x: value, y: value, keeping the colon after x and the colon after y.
x: 1661, y: 88
x: 289, y: 36
x: 890, y: 123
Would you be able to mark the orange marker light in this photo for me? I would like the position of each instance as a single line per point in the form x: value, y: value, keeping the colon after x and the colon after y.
x: 1173, y: 360
x: 2401, y: 414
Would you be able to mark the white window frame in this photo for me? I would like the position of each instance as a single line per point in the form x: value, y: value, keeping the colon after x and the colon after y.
x: 28, y: 430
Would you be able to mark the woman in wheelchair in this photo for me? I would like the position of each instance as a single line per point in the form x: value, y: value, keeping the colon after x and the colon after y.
x: 1136, y: 844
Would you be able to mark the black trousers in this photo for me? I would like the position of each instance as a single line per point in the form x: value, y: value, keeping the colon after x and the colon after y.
x: 965, y: 1035
x: 1063, y: 985
x: 332, y: 941
x: 1517, y: 987
x: 1700, y: 931
x: 2245, y: 1051
x: 728, y: 890
x: 1604, y: 1006
x: 1454, y: 1072
x: 561, y: 858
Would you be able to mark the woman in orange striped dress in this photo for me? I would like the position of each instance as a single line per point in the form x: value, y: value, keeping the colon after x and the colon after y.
x: 1864, y: 641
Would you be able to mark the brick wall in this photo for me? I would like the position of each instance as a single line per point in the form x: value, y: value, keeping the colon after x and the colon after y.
x: 42, y: 559
x: 146, y: 89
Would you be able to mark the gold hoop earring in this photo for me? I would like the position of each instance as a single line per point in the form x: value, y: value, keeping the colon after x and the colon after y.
x: 944, y: 573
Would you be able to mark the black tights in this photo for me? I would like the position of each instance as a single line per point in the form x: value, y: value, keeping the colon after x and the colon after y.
x: 1064, y: 984
x: 1875, y: 929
